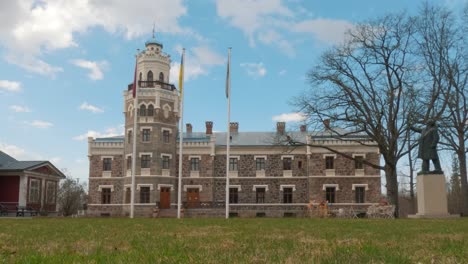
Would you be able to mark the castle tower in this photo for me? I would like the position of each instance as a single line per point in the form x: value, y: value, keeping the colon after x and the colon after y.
x: 156, y: 131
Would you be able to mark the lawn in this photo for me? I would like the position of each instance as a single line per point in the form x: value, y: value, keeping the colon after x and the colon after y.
x: 119, y: 240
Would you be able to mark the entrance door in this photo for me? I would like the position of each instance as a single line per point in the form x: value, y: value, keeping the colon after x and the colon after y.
x: 193, y: 198
x: 165, y: 198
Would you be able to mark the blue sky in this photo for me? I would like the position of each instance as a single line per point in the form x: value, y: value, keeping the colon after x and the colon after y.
x: 64, y: 64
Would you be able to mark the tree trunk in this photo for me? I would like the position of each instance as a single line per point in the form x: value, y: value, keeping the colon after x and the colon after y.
x: 392, y: 186
x: 464, y: 184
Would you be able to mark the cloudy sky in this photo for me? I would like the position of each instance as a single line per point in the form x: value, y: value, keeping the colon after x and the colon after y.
x: 64, y: 64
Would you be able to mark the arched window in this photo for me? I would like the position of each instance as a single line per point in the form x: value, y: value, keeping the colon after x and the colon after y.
x: 166, y: 109
x: 143, y: 110
x: 129, y: 137
x: 149, y: 77
x: 150, y: 110
x: 161, y: 77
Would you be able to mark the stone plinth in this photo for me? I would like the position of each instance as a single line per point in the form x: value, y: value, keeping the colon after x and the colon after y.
x: 432, y: 197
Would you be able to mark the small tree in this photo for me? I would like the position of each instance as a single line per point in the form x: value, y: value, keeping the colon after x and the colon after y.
x: 71, y: 196
x: 454, y: 195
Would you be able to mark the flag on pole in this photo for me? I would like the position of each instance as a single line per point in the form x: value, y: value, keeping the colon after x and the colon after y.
x: 181, y: 74
x: 228, y: 137
x: 135, y: 78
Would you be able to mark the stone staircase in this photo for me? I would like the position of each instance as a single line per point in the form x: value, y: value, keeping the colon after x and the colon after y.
x: 167, y: 213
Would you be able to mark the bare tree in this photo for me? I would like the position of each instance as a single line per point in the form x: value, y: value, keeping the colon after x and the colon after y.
x: 71, y: 196
x: 442, y: 42
x: 366, y: 86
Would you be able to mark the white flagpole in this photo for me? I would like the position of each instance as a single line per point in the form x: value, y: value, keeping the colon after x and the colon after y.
x: 181, y: 137
x: 228, y: 137
x: 134, y: 133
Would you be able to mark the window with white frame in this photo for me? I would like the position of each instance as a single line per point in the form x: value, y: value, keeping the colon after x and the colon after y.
x: 107, y: 164
x: 166, y: 136
x: 260, y: 163
x: 287, y: 162
x: 360, y: 194
x: 359, y: 162
x: 51, y: 192
x: 329, y: 162
x: 165, y: 162
x: 146, y: 135
x: 194, y: 164
x: 233, y: 164
x: 34, y: 190
x: 145, y: 161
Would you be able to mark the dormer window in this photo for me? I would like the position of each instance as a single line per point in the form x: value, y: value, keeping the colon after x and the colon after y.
x: 161, y: 77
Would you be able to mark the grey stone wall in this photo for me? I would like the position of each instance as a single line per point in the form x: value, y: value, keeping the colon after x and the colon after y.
x: 345, y: 194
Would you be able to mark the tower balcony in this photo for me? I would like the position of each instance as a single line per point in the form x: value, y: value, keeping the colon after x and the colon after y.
x: 156, y: 84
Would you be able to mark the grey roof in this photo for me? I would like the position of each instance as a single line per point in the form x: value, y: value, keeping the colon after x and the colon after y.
x: 257, y: 138
x: 8, y: 163
x: 110, y: 139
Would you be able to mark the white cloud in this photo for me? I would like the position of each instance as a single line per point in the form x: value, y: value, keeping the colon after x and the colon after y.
x: 290, y: 117
x: 198, y: 61
x: 10, y: 86
x: 32, y: 28
x: 282, y: 72
x: 95, y: 67
x: 20, y: 109
x: 40, y: 124
x: 12, y: 150
x: 325, y: 30
x: 255, y: 70
x: 271, y: 22
x: 91, y: 108
x: 110, y: 132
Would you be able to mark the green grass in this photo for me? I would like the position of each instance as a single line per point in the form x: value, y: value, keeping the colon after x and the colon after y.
x: 99, y: 240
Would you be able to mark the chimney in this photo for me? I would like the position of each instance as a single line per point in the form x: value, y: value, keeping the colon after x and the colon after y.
x: 326, y: 123
x: 303, y: 128
x: 234, y: 127
x: 280, y: 127
x: 189, y: 128
x: 209, y: 127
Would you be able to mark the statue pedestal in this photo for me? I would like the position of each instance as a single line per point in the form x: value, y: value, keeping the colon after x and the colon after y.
x: 432, y: 197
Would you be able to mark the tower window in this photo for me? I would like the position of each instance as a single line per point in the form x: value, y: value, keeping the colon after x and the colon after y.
x: 166, y: 136
x: 165, y: 162
x: 129, y: 137
x: 149, y: 76
x: 195, y: 164
x: 143, y: 110
x: 107, y: 164
x: 161, y: 77
x: 141, y: 76
x: 150, y: 110
x: 129, y: 163
x: 146, y: 135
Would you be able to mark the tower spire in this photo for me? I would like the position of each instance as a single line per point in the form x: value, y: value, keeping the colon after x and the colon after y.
x: 153, y: 28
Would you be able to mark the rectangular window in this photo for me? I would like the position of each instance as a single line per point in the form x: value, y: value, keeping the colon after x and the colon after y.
x: 128, y: 194
x: 260, y: 163
x: 330, y: 194
x: 287, y: 195
x: 360, y: 194
x: 299, y: 164
x: 145, y: 161
x: 233, y: 195
x: 329, y: 163
x: 287, y: 163
x: 358, y: 162
x: 129, y: 163
x: 260, y: 195
x: 107, y: 164
x: 34, y: 190
x: 195, y: 164
x: 146, y: 135
x: 165, y: 162
x: 233, y: 164
x: 106, y: 195
x: 166, y: 136
x: 144, y: 194
x: 51, y: 192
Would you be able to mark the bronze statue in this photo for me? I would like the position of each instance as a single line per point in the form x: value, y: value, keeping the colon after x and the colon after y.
x: 428, y: 147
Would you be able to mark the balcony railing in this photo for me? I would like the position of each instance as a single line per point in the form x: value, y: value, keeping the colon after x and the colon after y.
x: 153, y: 84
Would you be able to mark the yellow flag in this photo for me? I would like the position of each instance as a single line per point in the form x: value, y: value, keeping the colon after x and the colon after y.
x: 181, y: 74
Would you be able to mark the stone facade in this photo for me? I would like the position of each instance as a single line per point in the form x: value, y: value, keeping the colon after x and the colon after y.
x: 300, y: 169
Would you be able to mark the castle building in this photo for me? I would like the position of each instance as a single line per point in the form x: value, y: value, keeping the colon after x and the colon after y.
x: 266, y: 178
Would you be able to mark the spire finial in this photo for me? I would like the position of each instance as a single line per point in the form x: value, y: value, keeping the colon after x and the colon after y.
x: 153, y: 27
